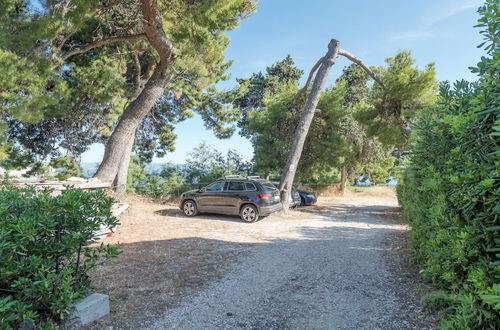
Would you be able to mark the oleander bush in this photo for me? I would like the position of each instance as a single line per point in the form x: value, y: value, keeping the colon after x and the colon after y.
x: 44, y: 254
x: 450, y: 192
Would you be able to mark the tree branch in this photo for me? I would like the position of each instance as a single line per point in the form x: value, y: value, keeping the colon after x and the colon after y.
x: 137, y: 65
x: 103, y: 42
x: 149, y: 70
x: 356, y: 60
x: 153, y: 28
x: 311, y: 75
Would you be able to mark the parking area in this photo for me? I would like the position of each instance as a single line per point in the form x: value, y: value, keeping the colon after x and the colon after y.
x: 168, y: 257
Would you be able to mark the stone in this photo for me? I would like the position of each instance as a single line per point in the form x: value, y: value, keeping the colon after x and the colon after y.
x: 88, y: 310
x: 27, y: 325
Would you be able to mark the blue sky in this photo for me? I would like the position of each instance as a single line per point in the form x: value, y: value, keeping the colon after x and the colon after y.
x: 439, y: 31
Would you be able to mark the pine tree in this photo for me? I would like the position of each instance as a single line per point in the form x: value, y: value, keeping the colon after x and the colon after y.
x: 162, y: 55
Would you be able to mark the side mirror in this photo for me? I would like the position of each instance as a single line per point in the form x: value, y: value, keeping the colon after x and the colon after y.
x: 201, y: 189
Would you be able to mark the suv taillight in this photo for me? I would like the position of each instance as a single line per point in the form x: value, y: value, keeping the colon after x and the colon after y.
x: 265, y: 196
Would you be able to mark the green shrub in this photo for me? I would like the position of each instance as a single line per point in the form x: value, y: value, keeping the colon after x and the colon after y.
x: 44, y: 257
x: 69, y: 167
x: 450, y: 191
x: 159, y: 187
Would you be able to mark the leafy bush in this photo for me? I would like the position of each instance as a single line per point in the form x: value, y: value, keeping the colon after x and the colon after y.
x: 450, y: 191
x: 44, y: 257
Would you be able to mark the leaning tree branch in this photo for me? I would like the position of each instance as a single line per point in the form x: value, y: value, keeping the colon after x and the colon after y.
x: 311, y: 75
x: 324, y: 66
x: 356, y: 60
x: 100, y: 43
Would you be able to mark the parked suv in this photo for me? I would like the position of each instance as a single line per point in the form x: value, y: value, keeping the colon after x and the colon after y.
x: 250, y: 197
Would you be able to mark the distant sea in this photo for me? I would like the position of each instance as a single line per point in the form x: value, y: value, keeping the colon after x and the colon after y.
x: 89, y: 169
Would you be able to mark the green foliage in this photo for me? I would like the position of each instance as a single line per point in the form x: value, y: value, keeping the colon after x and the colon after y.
x: 136, y: 173
x: 407, y: 90
x: 251, y: 91
x: 68, y: 167
x: 380, y: 166
x: 44, y: 252
x: 168, y: 184
x: 272, y: 128
x: 51, y: 101
x: 326, y: 144
x: 451, y: 188
x: 160, y: 187
x: 205, y: 164
x: 271, y: 110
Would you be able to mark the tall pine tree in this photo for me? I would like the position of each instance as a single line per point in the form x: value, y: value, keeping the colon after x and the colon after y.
x: 116, y: 61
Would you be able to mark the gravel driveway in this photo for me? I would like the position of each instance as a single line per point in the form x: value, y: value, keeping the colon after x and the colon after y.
x: 327, y: 270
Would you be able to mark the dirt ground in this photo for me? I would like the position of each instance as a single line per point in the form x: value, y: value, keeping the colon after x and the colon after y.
x: 168, y: 257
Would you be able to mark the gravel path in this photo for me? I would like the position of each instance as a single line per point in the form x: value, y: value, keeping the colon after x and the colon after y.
x: 328, y: 272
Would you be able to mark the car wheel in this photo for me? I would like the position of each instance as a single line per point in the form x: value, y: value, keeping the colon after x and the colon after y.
x: 249, y: 213
x: 189, y: 208
x: 302, y: 201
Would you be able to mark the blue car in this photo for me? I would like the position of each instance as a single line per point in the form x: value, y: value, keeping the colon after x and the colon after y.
x: 307, y: 198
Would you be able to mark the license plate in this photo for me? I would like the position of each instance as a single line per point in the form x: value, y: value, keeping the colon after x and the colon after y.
x: 276, y: 198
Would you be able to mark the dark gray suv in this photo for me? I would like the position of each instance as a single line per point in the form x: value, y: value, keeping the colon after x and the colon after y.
x: 250, y: 197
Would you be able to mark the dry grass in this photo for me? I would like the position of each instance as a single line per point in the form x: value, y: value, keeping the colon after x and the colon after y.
x: 356, y: 193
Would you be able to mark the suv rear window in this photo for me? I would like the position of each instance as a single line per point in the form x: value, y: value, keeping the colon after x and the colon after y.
x: 269, y: 185
x: 250, y: 187
x: 236, y: 186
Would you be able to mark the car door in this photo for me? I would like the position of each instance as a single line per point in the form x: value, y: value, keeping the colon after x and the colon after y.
x: 209, y: 199
x: 234, y: 192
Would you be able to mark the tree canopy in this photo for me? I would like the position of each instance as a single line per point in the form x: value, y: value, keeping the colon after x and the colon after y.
x: 349, y: 128
x: 73, y: 67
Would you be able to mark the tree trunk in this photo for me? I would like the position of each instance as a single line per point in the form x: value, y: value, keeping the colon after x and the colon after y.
x: 305, y: 122
x: 122, y: 139
x: 120, y: 182
x: 114, y: 166
x: 343, y: 179
x: 307, y: 115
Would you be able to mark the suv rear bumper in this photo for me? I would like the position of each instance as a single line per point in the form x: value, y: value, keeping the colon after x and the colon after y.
x: 268, y: 209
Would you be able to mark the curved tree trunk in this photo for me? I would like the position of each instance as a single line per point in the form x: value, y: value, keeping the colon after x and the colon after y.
x: 120, y: 182
x: 121, y: 140
x: 305, y: 122
x: 323, y: 66
x: 114, y: 166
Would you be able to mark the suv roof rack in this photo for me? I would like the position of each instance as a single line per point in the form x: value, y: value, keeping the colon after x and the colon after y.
x: 250, y: 177
x: 233, y: 176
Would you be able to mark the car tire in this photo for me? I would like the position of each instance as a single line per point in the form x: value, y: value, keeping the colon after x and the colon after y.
x: 189, y: 208
x: 302, y: 201
x: 249, y: 213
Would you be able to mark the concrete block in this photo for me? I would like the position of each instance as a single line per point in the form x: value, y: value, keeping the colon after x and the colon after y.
x: 88, y: 310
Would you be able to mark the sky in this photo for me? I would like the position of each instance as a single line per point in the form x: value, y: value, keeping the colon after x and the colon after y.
x: 439, y: 31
